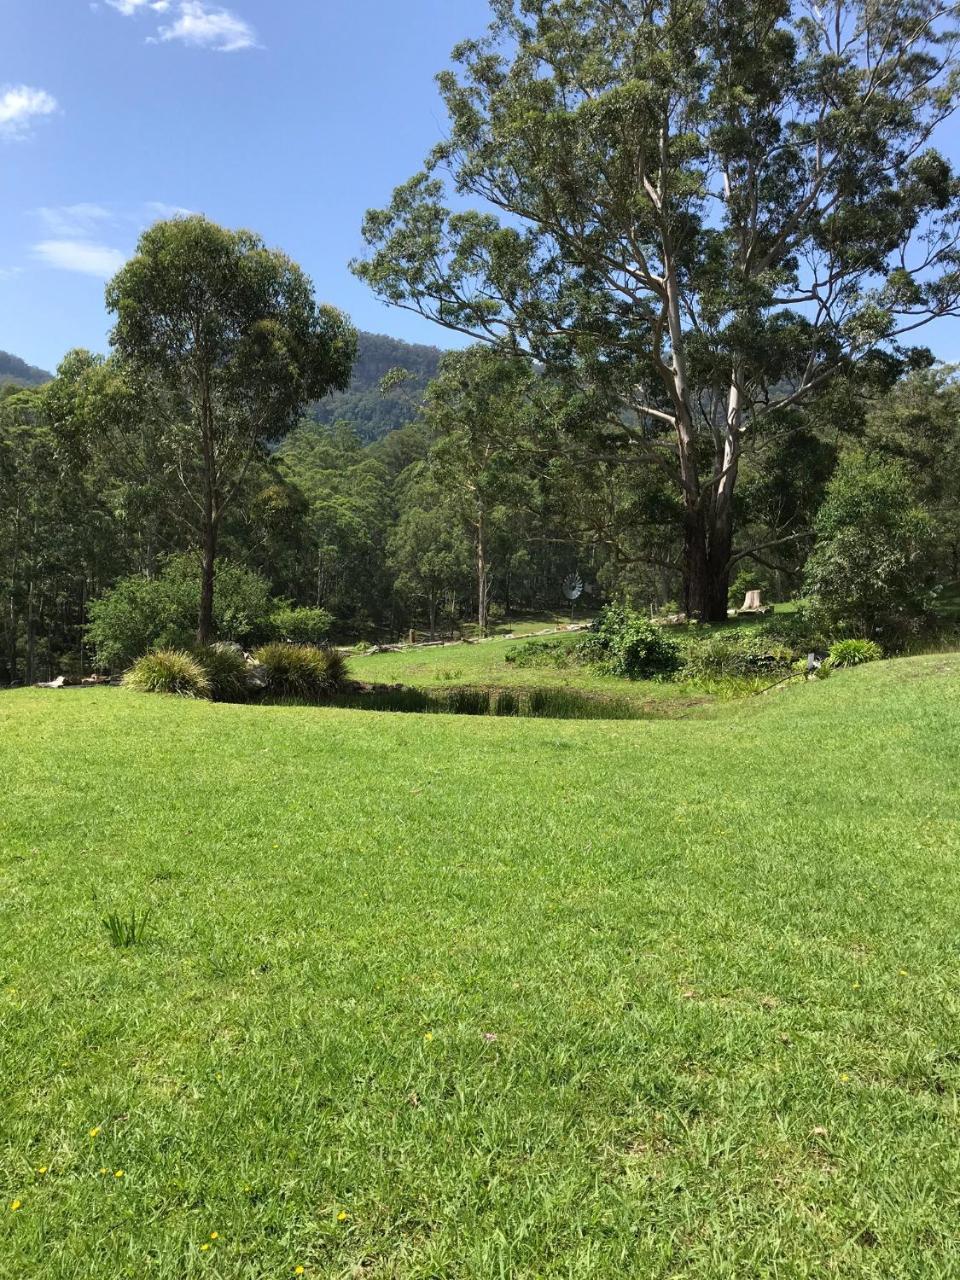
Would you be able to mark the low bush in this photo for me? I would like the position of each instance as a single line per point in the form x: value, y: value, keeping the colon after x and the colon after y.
x: 300, y: 671
x: 226, y: 669
x: 624, y: 643
x: 742, y: 654
x: 539, y: 653
x: 852, y: 653
x: 169, y: 671
x: 296, y: 625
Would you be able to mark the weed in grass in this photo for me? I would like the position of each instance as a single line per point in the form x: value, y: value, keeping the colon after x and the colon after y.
x: 129, y: 930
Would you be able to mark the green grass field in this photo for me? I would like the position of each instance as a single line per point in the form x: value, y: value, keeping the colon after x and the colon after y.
x: 436, y: 996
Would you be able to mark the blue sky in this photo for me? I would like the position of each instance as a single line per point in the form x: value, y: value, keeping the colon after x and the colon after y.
x: 291, y: 117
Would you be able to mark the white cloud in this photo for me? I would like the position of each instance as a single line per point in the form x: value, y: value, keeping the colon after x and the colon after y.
x: 20, y: 106
x: 85, y: 256
x: 129, y: 7
x: 74, y: 220
x: 158, y: 210
x: 209, y: 28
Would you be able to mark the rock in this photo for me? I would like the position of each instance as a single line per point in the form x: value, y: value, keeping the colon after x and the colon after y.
x: 258, y: 677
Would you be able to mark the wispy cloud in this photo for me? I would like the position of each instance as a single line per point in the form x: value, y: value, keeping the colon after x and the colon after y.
x: 20, y: 107
x: 75, y: 219
x: 158, y: 210
x: 8, y: 273
x: 76, y: 234
x: 209, y: 28
x: 85, y: 256
x: 130, y: 7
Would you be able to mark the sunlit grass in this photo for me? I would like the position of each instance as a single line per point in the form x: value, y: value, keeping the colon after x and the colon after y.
x: 480, y: 997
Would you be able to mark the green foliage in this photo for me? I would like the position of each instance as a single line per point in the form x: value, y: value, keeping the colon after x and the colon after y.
x: 226, y: 670
x: 540, y: 653
x: 627, y: 644
x: 740, y: 653
x: 301, y: 671
x: 126, y: 931
x: 852, y: 653
x: 301, y: 624
x: 872, y: 569
x: 171, y: 671
x: 229, y: 345
x: 140, y: 613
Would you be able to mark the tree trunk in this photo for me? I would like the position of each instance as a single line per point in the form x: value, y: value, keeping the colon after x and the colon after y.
x: 208, y: 560
x: 482, y: 576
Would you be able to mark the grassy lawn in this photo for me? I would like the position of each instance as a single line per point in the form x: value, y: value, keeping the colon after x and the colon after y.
x: 431, y: 996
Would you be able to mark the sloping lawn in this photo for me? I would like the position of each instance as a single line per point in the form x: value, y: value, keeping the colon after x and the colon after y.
x: 453, y: 997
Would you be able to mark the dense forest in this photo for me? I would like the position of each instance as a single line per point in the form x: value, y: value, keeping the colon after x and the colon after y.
x: 17, y: 372
x: 371, y: 408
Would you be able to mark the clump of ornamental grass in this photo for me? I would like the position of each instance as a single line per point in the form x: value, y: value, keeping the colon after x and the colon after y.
x: 172, y: 671
x: 300, y: 671
x: 853, y: 653
x: 226, y: 669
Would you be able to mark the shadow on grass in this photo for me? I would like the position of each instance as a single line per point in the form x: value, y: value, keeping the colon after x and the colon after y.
x: 547, y: 703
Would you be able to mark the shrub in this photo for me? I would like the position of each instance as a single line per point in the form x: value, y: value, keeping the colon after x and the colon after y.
x: 852, y: 653
x: 169, y: 671
x: 297, y: 625
x: 139, y: 614
x: 226, y: 669
x: 741, y: 654
x: 625, y: 643
x: 301, y: 670
x: 871, y: 570
x: 539, y: 653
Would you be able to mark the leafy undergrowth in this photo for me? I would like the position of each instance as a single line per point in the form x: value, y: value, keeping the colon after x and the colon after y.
x: 475, y: 997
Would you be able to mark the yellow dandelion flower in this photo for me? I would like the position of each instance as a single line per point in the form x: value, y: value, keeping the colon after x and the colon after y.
x: 204, y: 1248
x: 903, y: 973
x: 94, y: 1131
x: 15, y: 1205
x: 42, y: 1169
x: 428, y: 1036
x: 214, y: 1235
x: 118, y: 1173
x: 844, y: 1077
x: 104, y: 1170
x: 342, y: 1216
x: 298, y: 1271
x: 856, y: 986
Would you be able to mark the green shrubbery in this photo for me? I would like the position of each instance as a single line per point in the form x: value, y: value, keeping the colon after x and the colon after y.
x: 852, y: 653
x: 226, y: 669
x: 297, y: 625
x: 140, y: 614
x: 540, y: 653
x: 627, y: 644
x: 169, y: 671
x: 871, y: 571
x: 300, y: 671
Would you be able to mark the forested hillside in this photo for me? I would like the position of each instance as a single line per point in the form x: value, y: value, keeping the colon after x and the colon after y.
x: 371, y: 413
x: 21, y: 374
